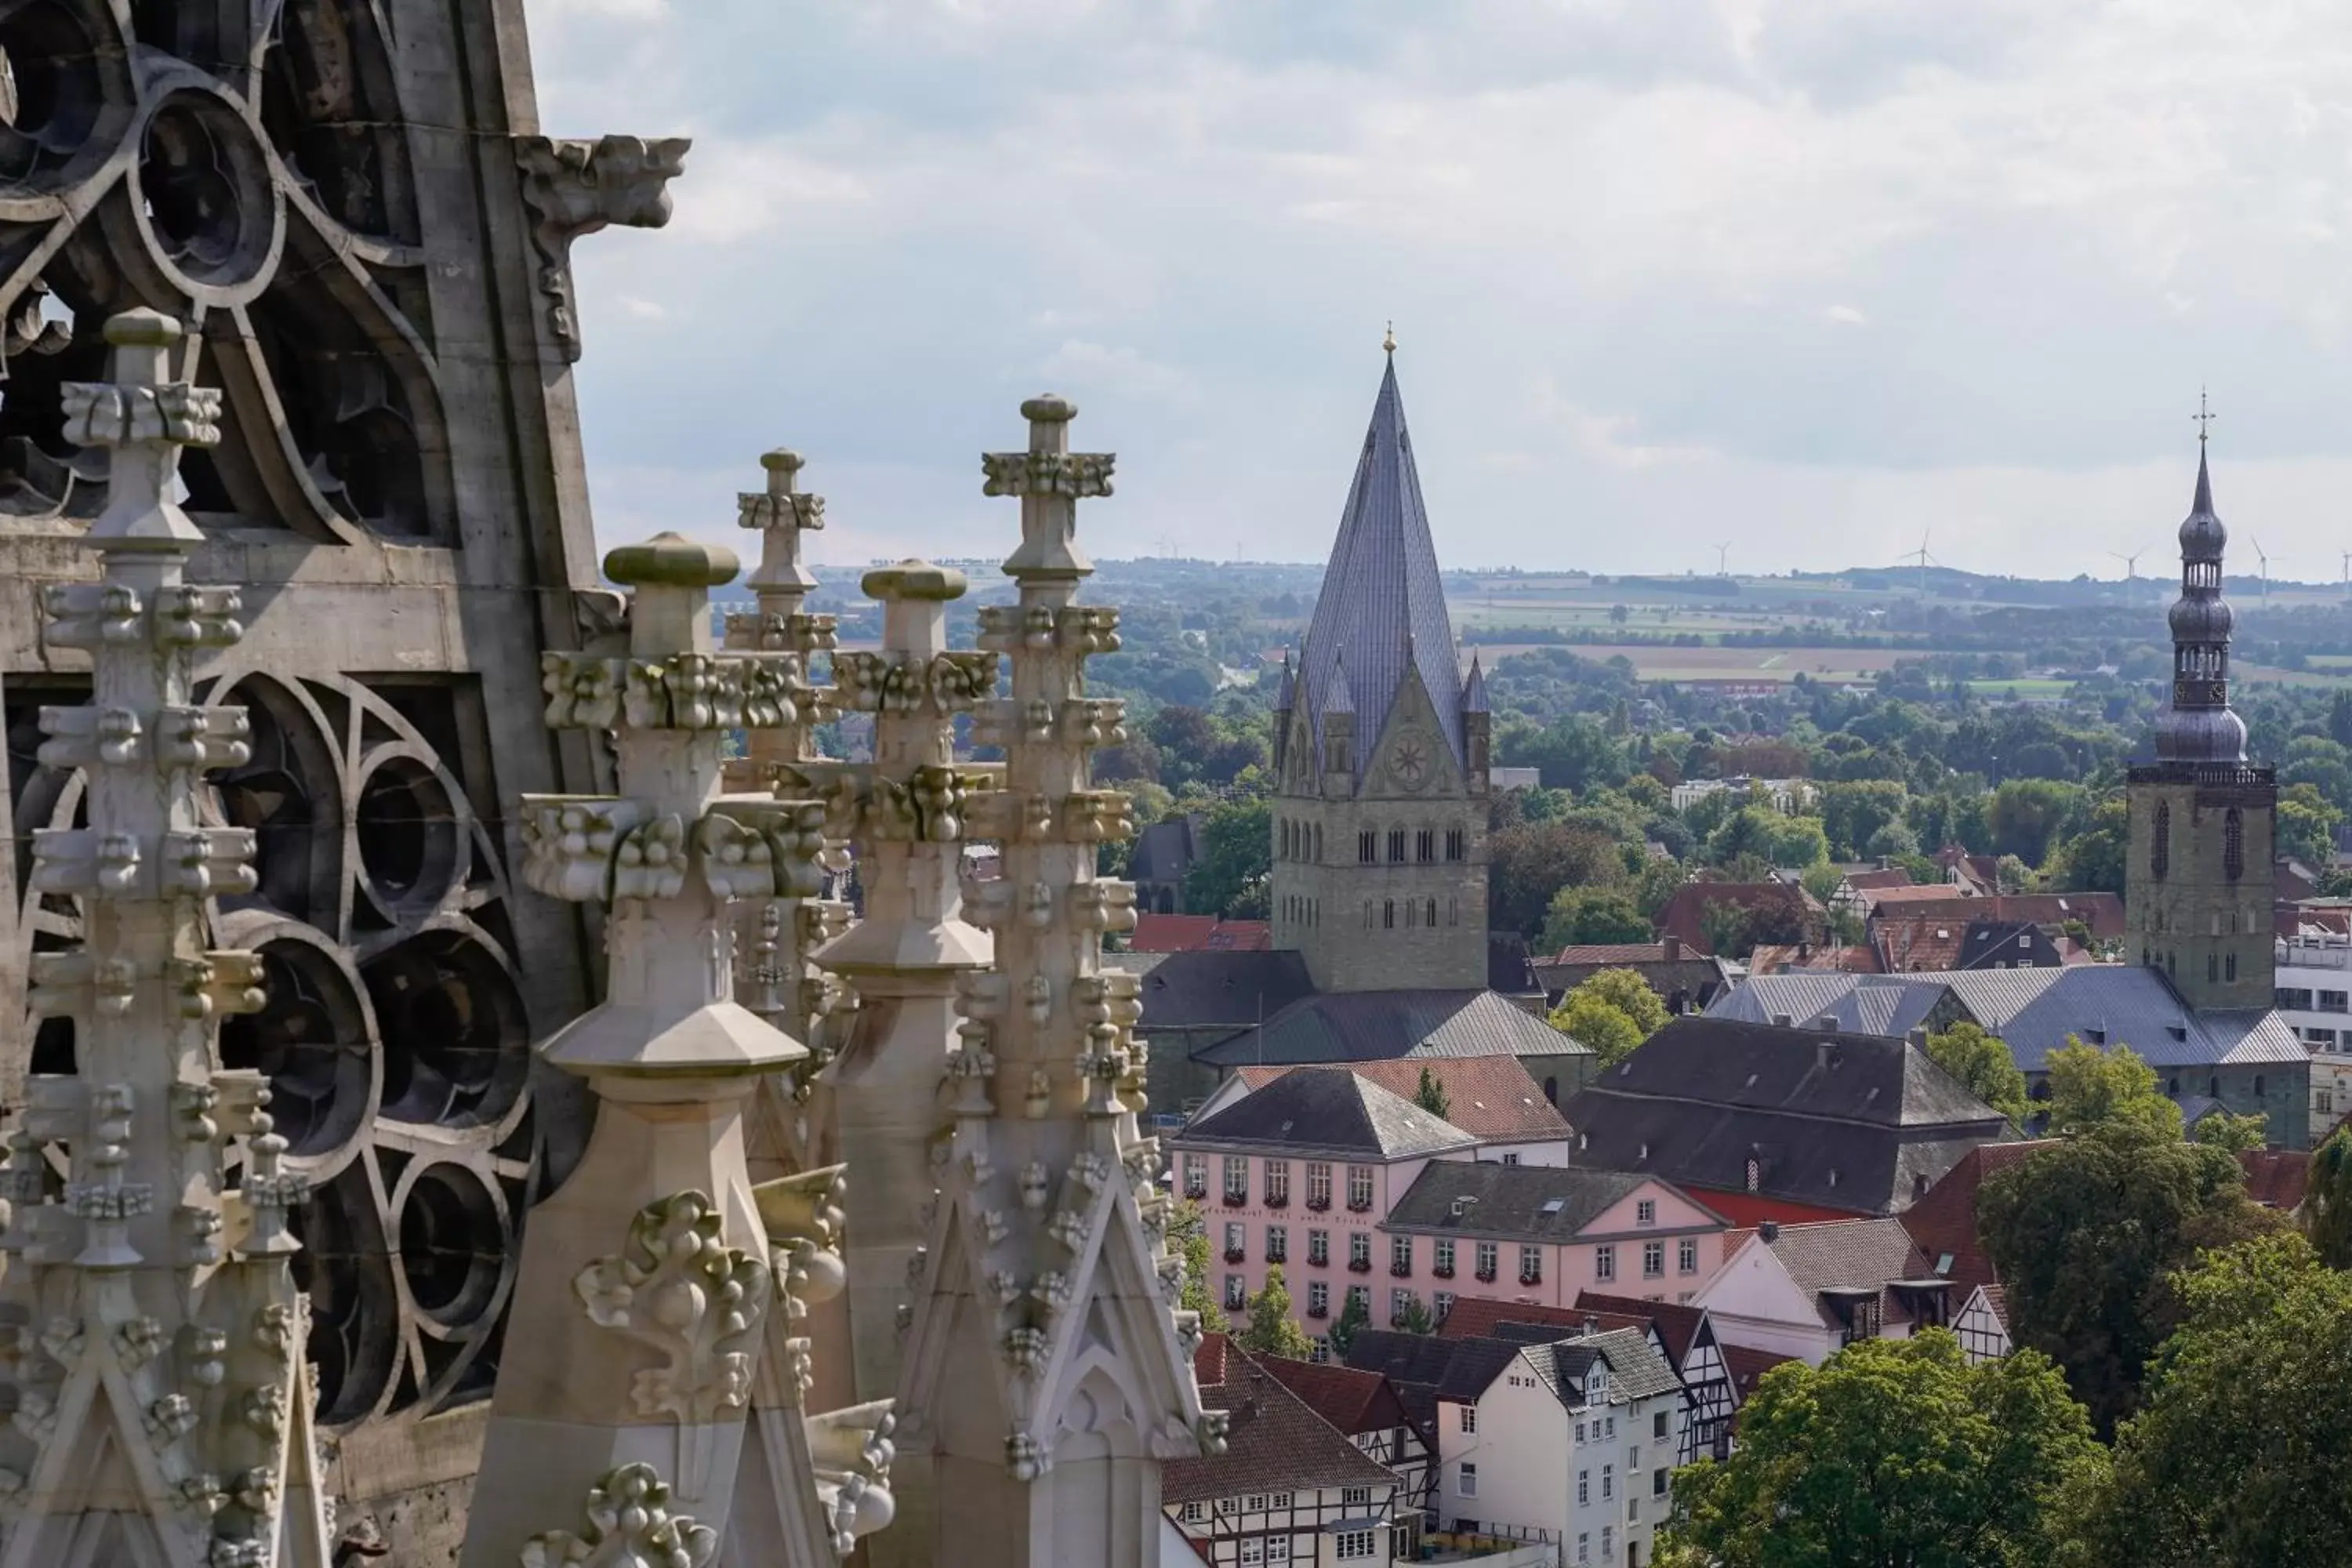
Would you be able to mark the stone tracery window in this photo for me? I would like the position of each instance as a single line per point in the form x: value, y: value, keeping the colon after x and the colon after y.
x: 2233, y: 844
x: 2160, y: 842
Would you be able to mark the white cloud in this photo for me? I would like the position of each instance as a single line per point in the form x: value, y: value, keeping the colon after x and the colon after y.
x: 1629, y: 245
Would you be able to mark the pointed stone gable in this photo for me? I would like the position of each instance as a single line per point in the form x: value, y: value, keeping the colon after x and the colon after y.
x: 1382, y: 607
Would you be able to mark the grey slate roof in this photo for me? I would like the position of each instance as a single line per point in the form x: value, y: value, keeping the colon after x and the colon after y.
x: 1636, y: 1369
x: 1312, y: 1109
x: 1164, y: 851
x: 1563, y: 1357
x: 1382, y: 606
x: 2033, y: 1009
x: 1842, y: 1121
x: 1890, y: 1004
x: 1509, y: 1200
x: 1474, y: 689
x: 1215, y: 988
x: 1852, y: 1254
x: 1378, y: 1026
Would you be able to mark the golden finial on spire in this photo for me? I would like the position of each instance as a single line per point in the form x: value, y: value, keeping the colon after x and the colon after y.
x: 1388, y: 339
x: 2203, y: 416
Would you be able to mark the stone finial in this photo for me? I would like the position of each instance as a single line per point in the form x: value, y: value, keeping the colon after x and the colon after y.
x: 145, y: 419
x: 782, y: 513
x: 913, y: 579
x: 672, y: 560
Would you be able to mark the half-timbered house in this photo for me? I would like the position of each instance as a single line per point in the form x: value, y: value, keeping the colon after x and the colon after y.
x: 1366, y: 1407
x: 1290, y: 1490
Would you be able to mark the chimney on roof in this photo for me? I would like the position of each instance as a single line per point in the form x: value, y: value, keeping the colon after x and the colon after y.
x: 1826, y: 1023
x: 1918, y: 1036
x: 1670, y: 946
x: 1592, y: 1324
x: 1784, y: 1020
x: 1824, y: 1055
x: 1770, y: 1231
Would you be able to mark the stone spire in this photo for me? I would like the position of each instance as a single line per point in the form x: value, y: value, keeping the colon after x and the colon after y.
x: 618, y: 1429
x: 162, y: 1405
x: 1048, y: 1374
x: 2197, y: 725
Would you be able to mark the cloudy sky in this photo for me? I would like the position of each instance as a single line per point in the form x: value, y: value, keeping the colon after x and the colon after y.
x: 1817, y: 277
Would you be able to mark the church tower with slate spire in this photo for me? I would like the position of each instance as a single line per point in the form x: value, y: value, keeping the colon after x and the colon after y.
x: 1380, y: 810
x: 2197, y: 890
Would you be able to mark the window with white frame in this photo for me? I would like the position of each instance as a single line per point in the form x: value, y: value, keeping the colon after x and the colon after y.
x: 1360, y: 1187
x: 1279, y: 1500
x: 1355, y: 1496
x: 1485, y: 1260
x: 1584, y: 1546
x: 1254, y: 1502
x: 1237, y: 1293
x: 1235, y: 1237
x: 1401, y: 1305
x: 1352, y: 1545
x: 1442, y: 1303
x: 1319, y: 1184
x: 1645, y: 1213
x: 1319, y: 1297
x: 1444, y: 1248
x: 1686, y: 1255
x: 1468, y: 1483
x: 1253, y: 1551
x: 1318, y: 1247
x: 1196, y: 1175
x: 1530, y: 1265
x: 1608, y: 1544
x: 1400, y: 1254
x: 1227, y: 1504
x: 1236, y: 1179
x: 1467, y: 1417
x: 1195, y: 1513
x: 1604, y: 1263
x: 1583, y: 1488
x: 1361, y: 1295
x: 1654, y: 1260
x: 1359, y: 1249
x: 1277, y: 1244
x: 1277, y: 1548
x: 1277, y: 1182
x: 1608, y: 1482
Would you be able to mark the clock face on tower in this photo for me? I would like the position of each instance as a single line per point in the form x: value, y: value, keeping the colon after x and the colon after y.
x: 1409, y: 761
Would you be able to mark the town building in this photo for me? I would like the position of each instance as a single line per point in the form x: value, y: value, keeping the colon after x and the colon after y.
x: 1685, y: 978
x: 2244, y: 1060
x: 2313, y: 989
x: 1198, y: 933
x: 1745, y: 1115
x: 1419, y: 1025
x: 1809, y: 1290
x: 1300, y: 1174
x: 1680, y: 1331
x: 1769, y: 912
x: 1367, y: 1408
x: 1526, y: 1233
x: 1379, y: 751
x: 1158, y: 861
x: 1290, y: 1490
x: 1944, y: 1225
x: 1545, y: 1434
x: 1490, y: 1098
x: 1790, y: 797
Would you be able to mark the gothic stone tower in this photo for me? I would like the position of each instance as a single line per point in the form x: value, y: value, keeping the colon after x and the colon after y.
x: 1379, y: 817
x: 2197, y: 892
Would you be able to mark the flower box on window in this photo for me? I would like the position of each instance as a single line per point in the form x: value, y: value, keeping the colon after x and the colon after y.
x: 1236, y: 1254
x: 1531, y: 1276
x: 1314, y: 1311
x: 1487, y: 1275
x: 1359, y: 1265
x: 1402, y: 1270
x: 1319, y: 1204
x: 1443, y: 1270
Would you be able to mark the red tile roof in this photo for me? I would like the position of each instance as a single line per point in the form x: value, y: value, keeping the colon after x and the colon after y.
x: 1677, y: 1322
x: 2101, y: 913
x: 1475, y: 1318
x: 1611, y: 953
x: 1878, y: 877
x: 1685, y: 913
x: 1273, y: 1440
x: 1945, y: 1220
x: 1746, y: 1365
x: 1856, y: 959
x: 2275, y: 1177
x: 1199, y: 933
x: 1487, y: 1096
x: 1355, y: 1402
x: 1751, y: 1209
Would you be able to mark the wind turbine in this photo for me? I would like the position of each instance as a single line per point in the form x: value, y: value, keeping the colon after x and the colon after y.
x: 2347, y: 573
x: 2266, y: 569
x: 2131, y: 562
x: 1923, y: 558
x: 1723, y: 557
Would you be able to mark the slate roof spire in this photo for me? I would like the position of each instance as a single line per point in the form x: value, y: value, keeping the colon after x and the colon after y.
x: 1474, y: 690
x: 2198, y: 724
x: 1382, y: 607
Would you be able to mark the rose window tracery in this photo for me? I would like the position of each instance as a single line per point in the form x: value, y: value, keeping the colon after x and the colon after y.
x: 246, y: 168
x: 394, y: 1039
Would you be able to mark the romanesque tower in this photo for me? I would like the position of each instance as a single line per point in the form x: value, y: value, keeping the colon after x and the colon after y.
x: 2197, y: 892
x: 1380, y: 814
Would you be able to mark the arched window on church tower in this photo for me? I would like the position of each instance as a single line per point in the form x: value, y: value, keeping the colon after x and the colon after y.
x: 2233, y: 844
x: 2160, y: 842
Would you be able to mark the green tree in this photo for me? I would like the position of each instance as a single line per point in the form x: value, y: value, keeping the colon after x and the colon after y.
x: 1529, y: 862
x: 1236, y: 858
x: 2025, y: 816
x: 2093, y: 859
x: 1582, y: 915
x: 2237, y: 1459
x: 2083, y: 1235
x: 1415, y: 1319
x: 1984, y: 1064
x: 1271, y: 1331
x: 2327, y: 1200
x: 1852, y: 815
x: 1896, y: 1452
x: 1608, y: 1034
x: 1611, y: 1014
x: 2225, y: 1129
x: 2305, y: 825
x: 2091, y: 1088
x: 1431, y: 1096
x: 1353, y: 1316
x: 1188, y: 1229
